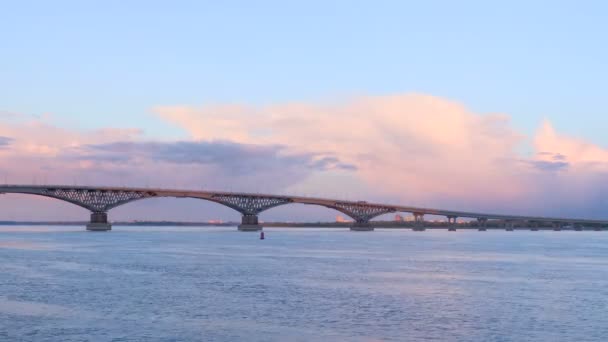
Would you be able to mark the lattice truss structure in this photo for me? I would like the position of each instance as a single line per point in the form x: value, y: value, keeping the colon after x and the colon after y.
x: 362, y: 212
x: 97, y: 200
x: 249, y: 204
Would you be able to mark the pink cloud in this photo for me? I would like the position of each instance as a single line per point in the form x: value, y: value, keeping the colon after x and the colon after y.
x: 410, y: 149
x: 413, y: 148
x: 575, y: 150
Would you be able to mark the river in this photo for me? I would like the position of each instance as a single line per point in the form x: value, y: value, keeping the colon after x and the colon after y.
x: 217, y: 284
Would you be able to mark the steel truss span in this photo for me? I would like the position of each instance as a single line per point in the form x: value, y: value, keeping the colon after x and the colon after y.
x: 99, y: 200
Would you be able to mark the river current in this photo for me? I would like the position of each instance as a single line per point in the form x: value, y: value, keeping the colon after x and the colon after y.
x: 217, y: 284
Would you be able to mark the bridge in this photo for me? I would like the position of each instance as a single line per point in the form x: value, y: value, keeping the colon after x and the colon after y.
x: 100, y: 200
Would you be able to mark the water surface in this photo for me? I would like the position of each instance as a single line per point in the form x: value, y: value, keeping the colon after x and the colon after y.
x: 217, y: 284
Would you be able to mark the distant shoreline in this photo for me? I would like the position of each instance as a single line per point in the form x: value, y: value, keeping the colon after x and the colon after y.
x: 386, y: 224
x: 376, y: 224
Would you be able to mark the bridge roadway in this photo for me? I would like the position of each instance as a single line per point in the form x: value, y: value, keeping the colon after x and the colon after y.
x: 99, y: 200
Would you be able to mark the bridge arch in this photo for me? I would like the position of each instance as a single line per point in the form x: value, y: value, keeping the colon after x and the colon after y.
x: 32, y: 207
x: 100, y: 200
x: 360, y: 212
x: 251, y: 206
x: 172, y: 208
x: 284, y: 212
x: 90, y: 199
x: 97, y: 201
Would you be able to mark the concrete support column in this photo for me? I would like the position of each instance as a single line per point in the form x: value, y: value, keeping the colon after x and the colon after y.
x: 533, y: 226
x: 99, y: 222
x: 362, y: 226
x: 418, y: 222
x: 482, y: 224
x: 249, y: 223
x: 557, y: 226
x: 452, y: 223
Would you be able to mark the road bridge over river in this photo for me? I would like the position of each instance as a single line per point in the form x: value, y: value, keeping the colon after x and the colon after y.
x: 100, y: 200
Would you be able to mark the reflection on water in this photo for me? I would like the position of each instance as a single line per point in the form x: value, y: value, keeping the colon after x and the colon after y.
x: 24, y: 308
x: 216, y: 284
x: 26, y: 245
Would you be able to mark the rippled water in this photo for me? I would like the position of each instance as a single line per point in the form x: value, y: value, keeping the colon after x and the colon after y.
x: 217, y: 284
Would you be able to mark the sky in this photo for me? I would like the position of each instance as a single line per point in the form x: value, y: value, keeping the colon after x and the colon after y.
x: 471, y: 105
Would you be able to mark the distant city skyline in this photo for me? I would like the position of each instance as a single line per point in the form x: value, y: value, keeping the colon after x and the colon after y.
x: 469, y: 105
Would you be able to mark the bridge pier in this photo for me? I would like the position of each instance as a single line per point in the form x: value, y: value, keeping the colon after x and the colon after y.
x: 249, y: 223
x: 99, y: 222
x: 482, y: 223
x: 452, y: 223
x: 418, y: 222
x: 362, y: 226
x: 509, y: 225
x: 533, y: 225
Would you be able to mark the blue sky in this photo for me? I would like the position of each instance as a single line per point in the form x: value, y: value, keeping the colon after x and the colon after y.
x: 172, y: 69
x: 106, y: 63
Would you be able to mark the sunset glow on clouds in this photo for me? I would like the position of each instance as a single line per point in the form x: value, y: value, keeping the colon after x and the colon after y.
x: 411, y: 149
x: 419, y: 149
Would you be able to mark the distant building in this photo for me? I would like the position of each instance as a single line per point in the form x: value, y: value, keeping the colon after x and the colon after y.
x: 409, y: 218
x: 399, y: 218
x: 215, y: 221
